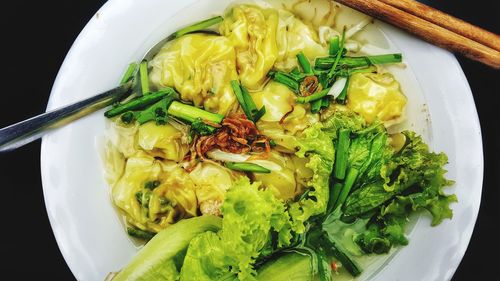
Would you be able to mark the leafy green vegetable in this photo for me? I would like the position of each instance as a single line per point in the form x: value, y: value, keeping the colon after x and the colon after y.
x: 317, y: 145
x: 159, y: 258
x: 291, y: 266
x: 252, y: 217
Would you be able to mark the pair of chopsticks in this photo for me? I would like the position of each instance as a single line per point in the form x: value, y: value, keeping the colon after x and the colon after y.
x: 434, y: 26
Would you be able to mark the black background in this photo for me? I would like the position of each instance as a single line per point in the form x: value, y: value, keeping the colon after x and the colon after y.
x: 36, y: 36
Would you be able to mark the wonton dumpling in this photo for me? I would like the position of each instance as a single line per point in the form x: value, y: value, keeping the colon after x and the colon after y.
x: 252, y: 31
x: 162, y: 140
x: 376, y: 96
x: 175, y: 186
x: 201, y: 68
x: 294, y: 36
x: 212, y: 181
x: 317, y: 12
x: 281, y: 183
x: 278, y: 100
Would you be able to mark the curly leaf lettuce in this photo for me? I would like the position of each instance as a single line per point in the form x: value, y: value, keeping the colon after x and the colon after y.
x: 251, y: 218
x: 315, y: 144
x: 411, y: 180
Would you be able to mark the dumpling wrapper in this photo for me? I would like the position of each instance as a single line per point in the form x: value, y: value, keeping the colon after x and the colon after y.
x: 200, y: 67
x: 376, y: 96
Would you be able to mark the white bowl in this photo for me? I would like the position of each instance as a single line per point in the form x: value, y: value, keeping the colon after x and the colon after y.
x: 89, y: 232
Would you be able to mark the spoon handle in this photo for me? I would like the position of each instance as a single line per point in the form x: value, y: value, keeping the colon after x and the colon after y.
x: 26, y: 131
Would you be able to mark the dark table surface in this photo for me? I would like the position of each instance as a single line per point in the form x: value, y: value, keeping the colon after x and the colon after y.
x: 36, y: 37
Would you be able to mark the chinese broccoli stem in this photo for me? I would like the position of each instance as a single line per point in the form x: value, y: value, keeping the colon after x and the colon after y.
x: 139, y: 103
x: 347, y: 262
x: 343, y: 143
x: 191, y: 113
x: 353, y: 62
x: 334, y: 195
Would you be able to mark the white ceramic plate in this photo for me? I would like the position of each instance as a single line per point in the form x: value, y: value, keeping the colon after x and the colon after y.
x: 89, y: 232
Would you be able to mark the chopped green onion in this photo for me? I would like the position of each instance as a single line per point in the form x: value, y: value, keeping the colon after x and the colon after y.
x: 272, y: 143
x: 201, y: 128
x: 129, y: 73
x: 247, y: 167
x: 144, y: 78
x: 246, y: 102
x: 305, y: 64
x: 127, y: 117
x: 343, y: 142
x: 334, y: 196
x: 355, y: 62
x: 346, y: 189
x: 190, y: 113
x: 313, y: 97
x: 316, y: 105
x: 197, y: 27
x: 334, y: 46
x: 239, y: 96
x: 140, y: 103
x: 325, y: 102
x: 339, y: 55
x: 157, y: 111
x: 138, y: 233
x: 285, y: 79
x: 152, y: 184
x: 343, y: 95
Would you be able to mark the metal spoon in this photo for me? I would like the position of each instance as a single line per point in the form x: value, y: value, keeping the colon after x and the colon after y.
x: 26, y: 131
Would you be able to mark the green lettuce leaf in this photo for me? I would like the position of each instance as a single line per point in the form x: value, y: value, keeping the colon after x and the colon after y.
x: 315, y: 144
x: 411, y: 180
x: 251, y: 218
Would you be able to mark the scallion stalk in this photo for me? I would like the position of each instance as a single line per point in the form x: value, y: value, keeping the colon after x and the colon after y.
x: 355, y: 62
x: 197, y: 27
x: 343, y: 95
x: 191, y: 113
x: 285, y: 79
x: 316, y: 106
x: 351, y: 177
x: 247, y: 167
x: 129, y: 73
x: 305, y: 64
x: 144, y: 77
x: 140, y: 103
x: 343, y: 142
x: 334, y: 46
x: 313, y: 97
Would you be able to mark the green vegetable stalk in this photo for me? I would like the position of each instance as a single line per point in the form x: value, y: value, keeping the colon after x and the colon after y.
x: 196, y: 27
x: 191, y: 113
x: 325, y: 63
x: 247, y: 167
x: 140, y: 102
x: 144, y: 77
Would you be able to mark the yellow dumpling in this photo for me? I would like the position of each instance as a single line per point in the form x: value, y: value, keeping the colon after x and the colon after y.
x: 252, y: 31
x: 200, y: 67
x: 376, y: 96
x: 212, y: 181
x: 278, y: 100
x: 162, y: 140
x: 293, y: 36
x: 281, y: 182
x: 175, y: 189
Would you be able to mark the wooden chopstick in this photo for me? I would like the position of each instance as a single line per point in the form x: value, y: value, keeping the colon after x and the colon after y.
x: 447, y: 21
x: 429, y: 31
